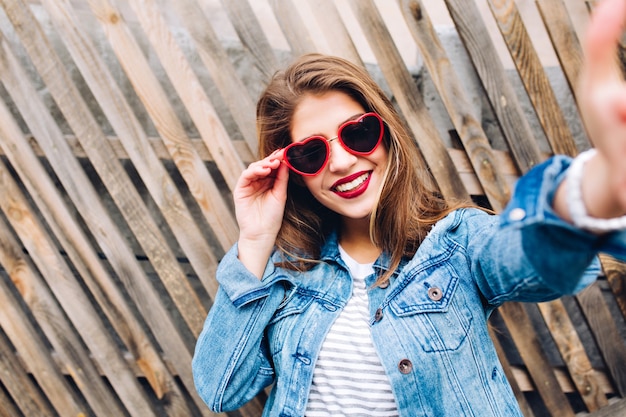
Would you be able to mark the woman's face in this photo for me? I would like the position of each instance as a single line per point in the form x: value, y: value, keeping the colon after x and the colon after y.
x: 348, y: 184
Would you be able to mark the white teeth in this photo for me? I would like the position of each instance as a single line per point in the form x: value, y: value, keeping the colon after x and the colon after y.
x: 348, y: 186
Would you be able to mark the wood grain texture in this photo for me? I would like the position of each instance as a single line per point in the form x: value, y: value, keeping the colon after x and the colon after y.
x: 615, y: 272
x: 607, y: 336
x: 29, y: 400
x: 172, y: 134
x: 234, y: 93
x: 503, y: 99
x: 533, y: 77
x: 461, y: 112
x: 525, y: 337
x: 88, y: 203
x: 112, y: 173
x: 86, y: 260
x: 74, y: 301
x: 161, y: 186
x: 573, y: 353
x: 251, y: 34
x: 564, y: 38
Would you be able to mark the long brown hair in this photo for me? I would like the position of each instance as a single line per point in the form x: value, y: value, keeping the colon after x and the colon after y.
x: 407, y: 206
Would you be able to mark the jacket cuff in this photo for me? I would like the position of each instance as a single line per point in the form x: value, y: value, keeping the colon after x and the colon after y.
x: 239, y: 284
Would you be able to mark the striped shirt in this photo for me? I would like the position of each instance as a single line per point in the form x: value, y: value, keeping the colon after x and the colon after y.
x: 348, y: 379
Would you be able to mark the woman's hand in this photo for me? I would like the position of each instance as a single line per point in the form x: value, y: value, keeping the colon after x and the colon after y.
x: 260, y: 196
x: 602, y: 101
x: 601, y: 97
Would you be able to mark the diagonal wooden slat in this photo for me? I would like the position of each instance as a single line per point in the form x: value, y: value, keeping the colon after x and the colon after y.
x: 121, y: 117
x: 73, y: 300
x: 177, y: 143
x: 615, y: 272
x: 214, y: 56
x: 250, y: 32
x: 606, y: 334
x: 526, y: 339
x: 290, y: 21
x: 102, y: 285
x: 573, y: 353
x: 8, y: 408
x: 186, y: 84
x: 49, y: 316
x: 110, y: 170
x: 21, y: 388
x: 337, y: 35
x: 498, y: 88
x: 461, y: 112
x: 533, y: 76
x: 564, y: 38
x: 88, y: 203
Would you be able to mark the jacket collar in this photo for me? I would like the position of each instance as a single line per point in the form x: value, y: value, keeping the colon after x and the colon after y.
x: 330, y: 253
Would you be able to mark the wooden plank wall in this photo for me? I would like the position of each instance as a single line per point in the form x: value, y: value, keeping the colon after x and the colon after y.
x: 125, y: 124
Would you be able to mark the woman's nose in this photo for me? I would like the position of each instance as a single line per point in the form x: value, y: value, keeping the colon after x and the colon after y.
x: 340, y: 159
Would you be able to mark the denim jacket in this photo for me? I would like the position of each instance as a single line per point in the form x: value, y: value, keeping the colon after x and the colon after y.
x: 429, y: 325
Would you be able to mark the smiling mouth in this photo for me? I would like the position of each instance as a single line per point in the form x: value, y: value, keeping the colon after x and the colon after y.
x: 354, y: 184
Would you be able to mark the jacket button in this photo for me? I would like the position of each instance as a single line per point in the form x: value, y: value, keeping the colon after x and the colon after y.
x: 378, y: 316
x: 405, y: 366
x: 517, y: 214
x: 435, y: 293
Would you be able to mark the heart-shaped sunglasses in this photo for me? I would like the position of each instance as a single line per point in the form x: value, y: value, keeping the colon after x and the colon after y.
x: 359, y: 137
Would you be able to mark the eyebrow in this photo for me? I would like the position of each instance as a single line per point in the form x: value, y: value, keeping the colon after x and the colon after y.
x: 356, y: 116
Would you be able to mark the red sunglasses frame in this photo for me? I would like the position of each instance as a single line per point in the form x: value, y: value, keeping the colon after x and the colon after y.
x: 327, y: 143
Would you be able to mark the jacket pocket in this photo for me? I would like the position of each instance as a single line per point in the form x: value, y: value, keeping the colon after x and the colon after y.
x: 287, y: 316
x: 433, y: 309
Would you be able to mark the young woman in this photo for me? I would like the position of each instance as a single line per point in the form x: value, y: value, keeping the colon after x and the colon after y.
x: 356, y: 290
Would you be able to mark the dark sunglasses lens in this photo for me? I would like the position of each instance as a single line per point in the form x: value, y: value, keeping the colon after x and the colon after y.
x: 308, y: 157
x: 362, y: 136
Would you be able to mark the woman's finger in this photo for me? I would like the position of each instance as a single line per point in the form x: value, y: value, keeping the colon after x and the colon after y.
x: 602, y: 39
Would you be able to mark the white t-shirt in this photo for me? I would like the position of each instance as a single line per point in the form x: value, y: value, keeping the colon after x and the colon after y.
x: 348, y: 379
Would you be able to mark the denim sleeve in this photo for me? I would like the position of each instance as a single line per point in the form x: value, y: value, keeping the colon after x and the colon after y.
x: 231, y: 363
x: 530, y: 253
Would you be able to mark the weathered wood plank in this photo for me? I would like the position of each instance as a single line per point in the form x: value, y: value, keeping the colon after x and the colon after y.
x: 564, y: 38
x: 533, y: 77
x: 177, y: 145
x: 607, y: 336
x: 184, y: 80
x: 526, y: 340
x: 337, y: 36
x: 490, y: 69
x: 50, y: 318
x: 112, y: 173
x: 92, y: 210
x: 294, y: 29
x: 461, y: 112
x: 573, y: 354
x: 617, y: 409
x: 8, y: 408
x: 121, y: 117
x: 102, y: 285
x: 409, y: 99
x: 15, y: 380
x: 236, y: 96
x: 250, y: 32
x: 615, y: 272
x: 72, y: 298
